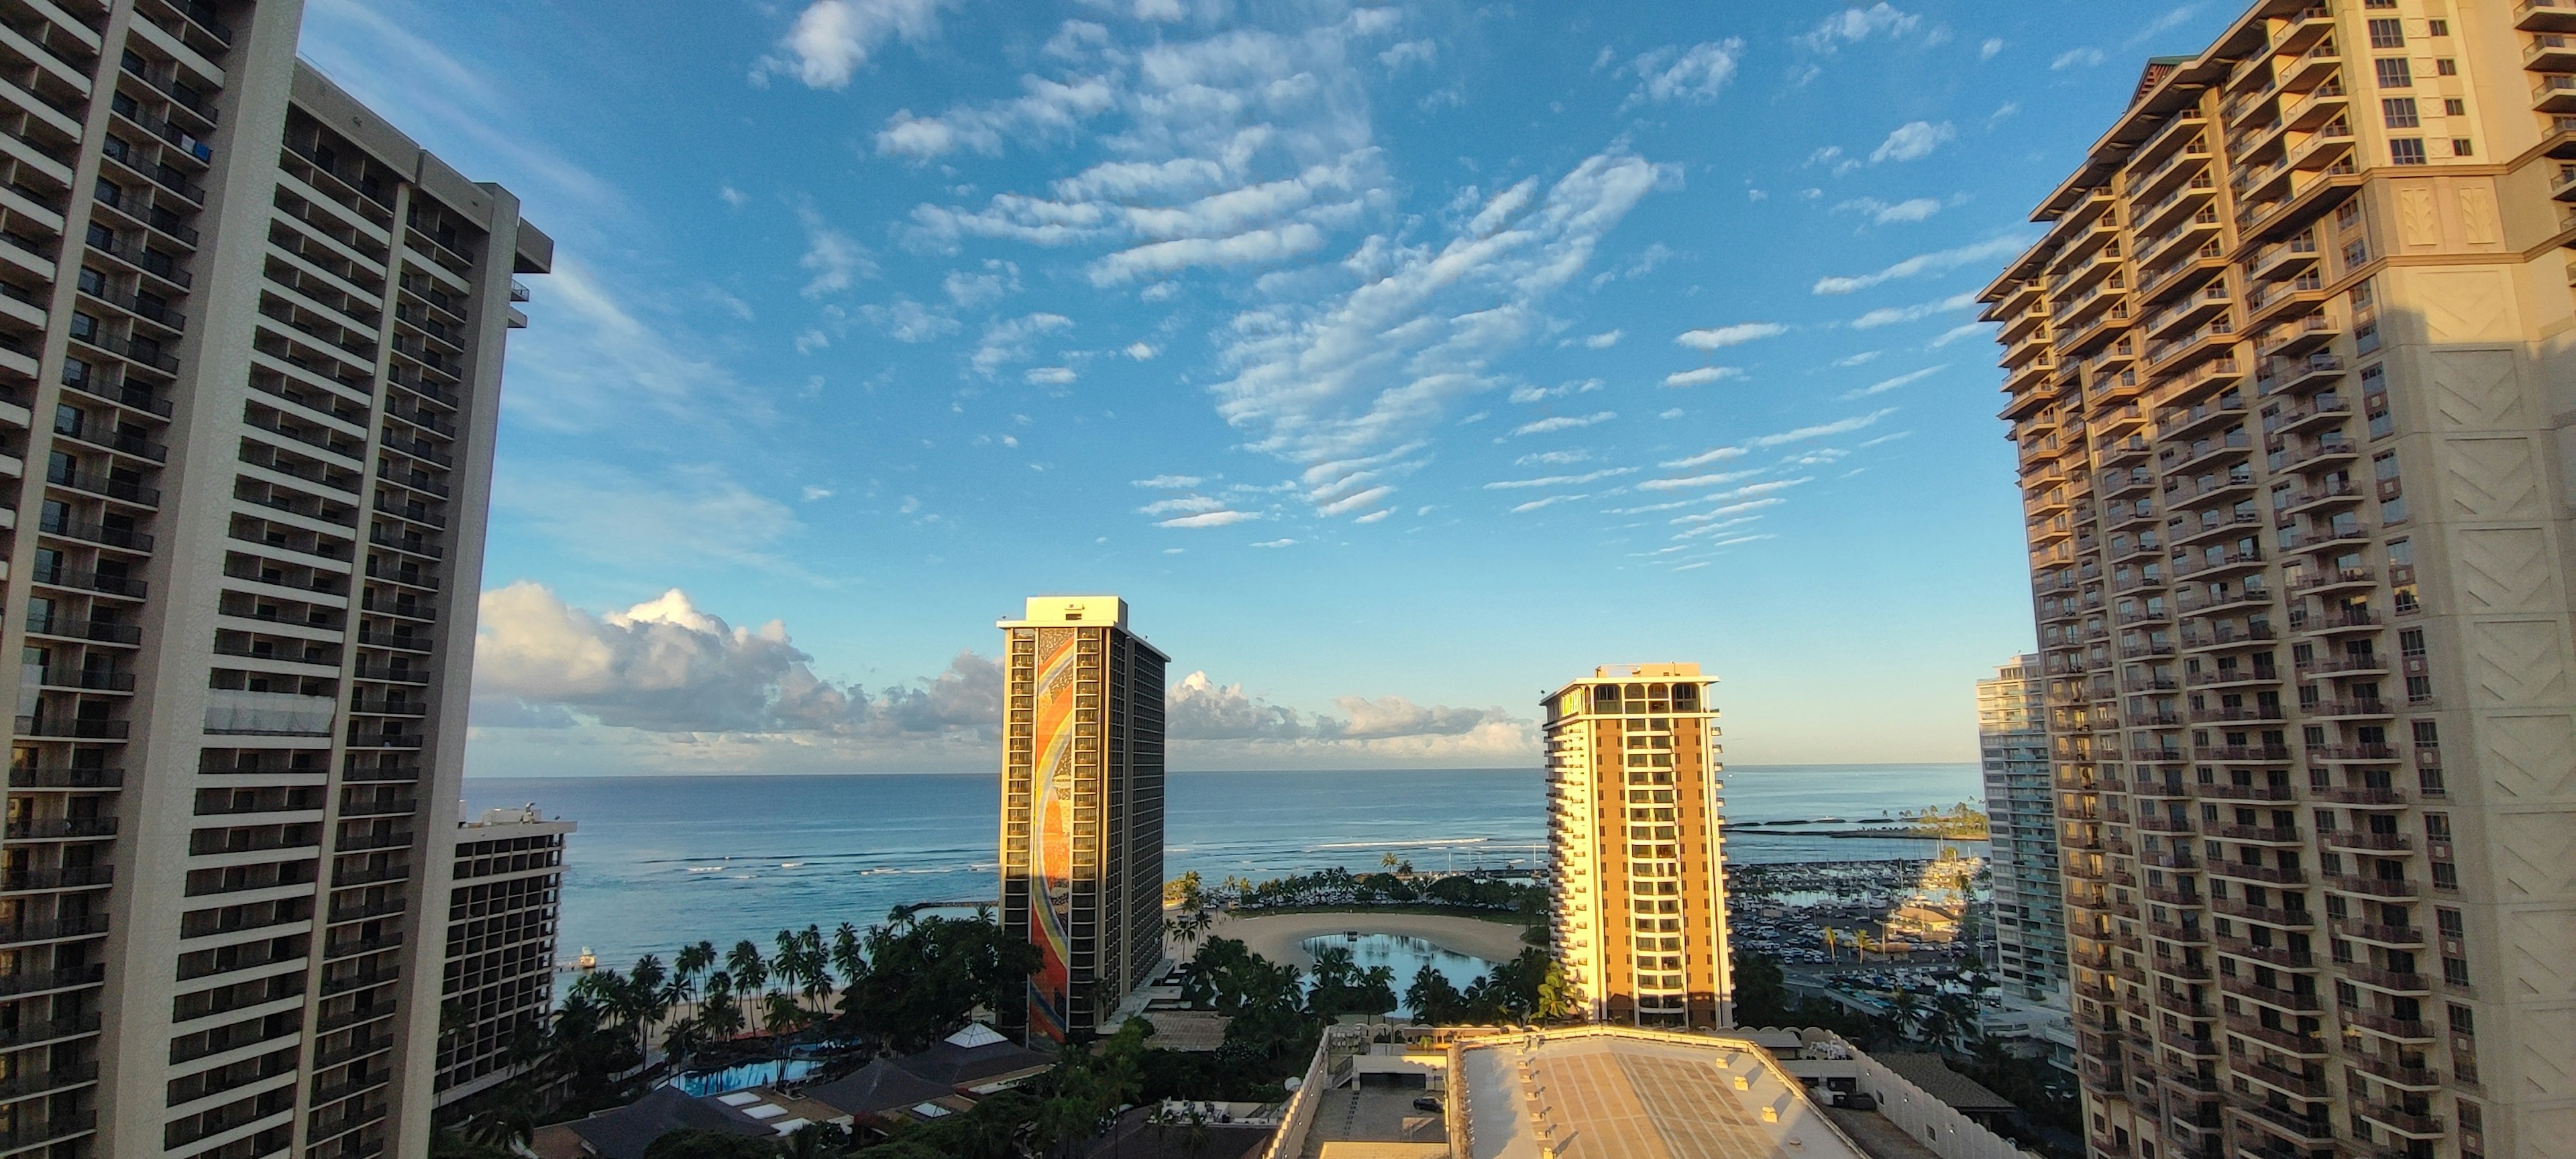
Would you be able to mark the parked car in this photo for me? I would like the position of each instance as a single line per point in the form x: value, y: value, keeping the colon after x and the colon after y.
x: 1427, y: 1103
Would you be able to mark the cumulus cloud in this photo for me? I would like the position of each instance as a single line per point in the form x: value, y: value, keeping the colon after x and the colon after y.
x: 1009, y: 340
x: 1046, y: 108
x: 1603, y: 340
x: 666, y: 666
x: 905, y: 320
x: 1939, y: 261
x: 1206, y: 718
x: 1913, y: 141
x: 1722, y: 336
x: 831, y: 39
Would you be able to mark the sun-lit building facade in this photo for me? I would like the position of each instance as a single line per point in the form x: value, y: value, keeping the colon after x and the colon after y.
x: 1636, y: 866
x: 1082, y: 808
x: 2289, y: 375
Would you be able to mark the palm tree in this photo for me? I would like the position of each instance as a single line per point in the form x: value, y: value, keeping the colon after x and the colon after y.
x: 750, y: 972
x: 1904, y: 1012
x: 682, y: 1039
x: 848, y: 953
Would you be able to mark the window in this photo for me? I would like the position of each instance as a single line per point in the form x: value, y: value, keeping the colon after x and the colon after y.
x: 2406, y: 151
x: 2384, y: 465
x: 2446, y: 67
x: 2427, y: 734
x: 2455, y: 971
x: 2437, y: 28
x: 2393, y: 72
x: 2463, y: 147
x: 2387, y: 34
x: 2454, y: 106
x: 2437, y: 827
x: 92, y: 282
x: 2449, y: 922
x: 2411, y: 642
x: 2446, y: 875
x: 2399, y: 112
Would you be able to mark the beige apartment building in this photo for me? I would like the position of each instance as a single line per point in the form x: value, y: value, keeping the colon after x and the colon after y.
x: 1082, y: 809
x: 504, y: 907
x: 1636, y: 863
x: 2292, y: 381
x: 250, y: 353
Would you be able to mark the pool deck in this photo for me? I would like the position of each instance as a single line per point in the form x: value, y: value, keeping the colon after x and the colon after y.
x: 1281, y: 937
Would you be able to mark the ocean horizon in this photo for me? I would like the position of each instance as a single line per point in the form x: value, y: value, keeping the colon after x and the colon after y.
x: 661, y: 860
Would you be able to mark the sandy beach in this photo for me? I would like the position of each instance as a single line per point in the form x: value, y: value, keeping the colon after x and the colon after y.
x: 1279, y: 937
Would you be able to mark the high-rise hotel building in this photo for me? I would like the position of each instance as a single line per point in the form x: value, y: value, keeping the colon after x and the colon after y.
x: 504, y: 906
x: 1082, y: 808
x: 250, y: 354
x: 1636, y: 866
x: 2029, y: 920
x: 2012, y: 738
x: 2291, y: 375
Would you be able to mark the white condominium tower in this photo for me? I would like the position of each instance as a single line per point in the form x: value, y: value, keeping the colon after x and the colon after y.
x: 250, y: 355
x: 1636, y: 871
x: 2291, y: 373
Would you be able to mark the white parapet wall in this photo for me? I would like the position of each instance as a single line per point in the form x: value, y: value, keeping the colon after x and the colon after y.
x: 1930, y: 1121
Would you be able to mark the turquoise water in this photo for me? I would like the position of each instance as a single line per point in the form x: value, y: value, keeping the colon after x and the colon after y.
x: 1406, y: 956
x: 662, y: 861
x: 745, y: 1076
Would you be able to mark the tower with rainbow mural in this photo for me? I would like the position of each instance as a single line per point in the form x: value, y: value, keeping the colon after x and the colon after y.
x: 1082, y: 809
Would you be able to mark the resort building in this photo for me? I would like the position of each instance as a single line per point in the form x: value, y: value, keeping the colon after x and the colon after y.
x: 1082, y: 808
x: 250, y: 365
x: 2289, y: 375
x: 1636, y: 869
x: 2029, y: 922
x: 504, y: 906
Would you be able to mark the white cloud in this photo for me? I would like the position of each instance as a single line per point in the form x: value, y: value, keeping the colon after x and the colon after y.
x: 1045, y: 109
x: 1049, y: 376
x: 1181, y: 505
x: 2076, y: 58
x: 665, y: 666
x: 1407, y: 52
x: 836, y: 259
x: 1603, y: 340
x: 1169, y: 482
x: 1955, y: 333
x: 1718, y: 337
x: 1907, y: 379
x: 831, y: 39
x: 1141, y: 351
x: 1553, y: 458
x: 1648, y: 259
x: 732, y: 197
x: 1542, y: 504
x: 813, y: 493
x: 1913, y: 141
x: 1821, y: 430
x: 1939, y: 261
x: 1692, y: 482
x: 970, y: 288
x: 1560, y: 480
x: 1224, y: 518
x: 1884, y: 213
x: 1703, y: 376
x: 1010, y: 340
x: 1529, y: 394
x: 1693, y: 74
x: 1850, y: 360
x: 2167, y: 21
x: 1891, y: 315
x: 1274, y: 543
x: 1712, y: 455
x: 1221, y: 724
x: 905, y: 320
x: 2002, y: 111
x: 1856, y: 24
x: 1992, y: 46
x: 1563, y: 423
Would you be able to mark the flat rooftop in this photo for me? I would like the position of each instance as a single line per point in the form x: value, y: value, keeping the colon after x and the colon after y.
x: 1605, y: 1093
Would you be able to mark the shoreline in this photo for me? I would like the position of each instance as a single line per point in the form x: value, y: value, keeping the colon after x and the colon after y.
x: 1280, y: 936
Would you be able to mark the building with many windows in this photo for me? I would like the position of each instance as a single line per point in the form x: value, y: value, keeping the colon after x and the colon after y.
x: 1636, y: 867
x: 1082, y: 808
x: 504, y: 906
x: 2289, y: 375
x: 2029, y: 922
x: 250, y: 355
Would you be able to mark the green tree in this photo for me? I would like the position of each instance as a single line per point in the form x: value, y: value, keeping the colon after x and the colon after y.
x: 1432, y: 997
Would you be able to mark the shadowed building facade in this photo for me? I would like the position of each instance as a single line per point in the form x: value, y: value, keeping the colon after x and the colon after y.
x: 2291, y: 379
x: 250, y: 364
x: 1082, y: 808
x: 1635, y: 864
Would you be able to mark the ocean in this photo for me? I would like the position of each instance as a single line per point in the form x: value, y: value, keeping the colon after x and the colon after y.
x: 659, y: 862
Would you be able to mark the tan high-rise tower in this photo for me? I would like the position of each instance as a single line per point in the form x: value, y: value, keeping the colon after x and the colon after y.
x: 1635, y: 858
x: 249, y: 379
x: 2291, y: 375
x: 1082, y: 808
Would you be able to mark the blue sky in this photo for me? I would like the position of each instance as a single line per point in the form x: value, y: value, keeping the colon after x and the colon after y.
x: 1396, y: 363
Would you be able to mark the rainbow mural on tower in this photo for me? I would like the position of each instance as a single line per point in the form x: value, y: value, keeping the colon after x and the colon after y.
x: 1051, y: 833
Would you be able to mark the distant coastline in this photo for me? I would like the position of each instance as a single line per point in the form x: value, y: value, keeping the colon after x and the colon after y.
x: 474, y: 775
